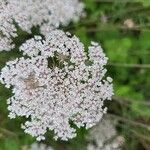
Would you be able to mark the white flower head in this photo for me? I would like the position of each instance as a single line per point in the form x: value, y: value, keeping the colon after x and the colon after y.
x: 7, y: 28
x: 48, y: 14
x: 104, y: 136
x: 58, y: 83
x: 36, y: 146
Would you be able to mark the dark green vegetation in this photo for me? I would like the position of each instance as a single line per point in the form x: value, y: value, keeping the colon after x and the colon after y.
x: 123, y: 29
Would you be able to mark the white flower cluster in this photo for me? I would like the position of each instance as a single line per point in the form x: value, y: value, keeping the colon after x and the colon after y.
x: 7, y: 28
x: 48, y: 14
x: 104, y: 135
x: 57, y: 84
x: 36, y: 146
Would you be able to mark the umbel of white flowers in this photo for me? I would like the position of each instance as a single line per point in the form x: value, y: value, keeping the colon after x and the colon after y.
x: 48, y: 14
x: 58, y: 83
x: 104, y: 136
x: 37, y: 146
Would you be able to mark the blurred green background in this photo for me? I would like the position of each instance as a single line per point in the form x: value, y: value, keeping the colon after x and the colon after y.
x: 123, y: 29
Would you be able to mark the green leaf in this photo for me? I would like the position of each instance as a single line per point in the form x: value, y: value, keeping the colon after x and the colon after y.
x: 11, y: 144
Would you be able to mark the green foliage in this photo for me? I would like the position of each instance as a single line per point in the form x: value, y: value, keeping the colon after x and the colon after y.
x: 142, y: 109
x: 11, y: 144
x: 118, y: 49
x: 146, y: 3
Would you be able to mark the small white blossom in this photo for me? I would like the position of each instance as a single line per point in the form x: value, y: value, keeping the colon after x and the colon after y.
x: 59, y: 83
x: 5, y: 43
x: 48, y: 14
